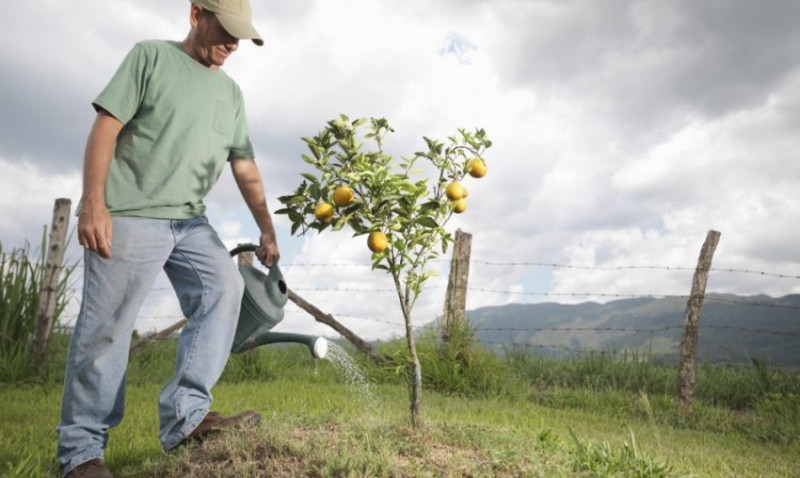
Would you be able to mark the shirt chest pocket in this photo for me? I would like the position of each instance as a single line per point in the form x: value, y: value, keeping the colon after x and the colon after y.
x: 224, y: 117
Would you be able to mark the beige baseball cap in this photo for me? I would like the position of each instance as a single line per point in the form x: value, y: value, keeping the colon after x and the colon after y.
x: 235, y: 17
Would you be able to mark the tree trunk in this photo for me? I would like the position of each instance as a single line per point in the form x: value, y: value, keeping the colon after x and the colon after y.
x: 415, y: 375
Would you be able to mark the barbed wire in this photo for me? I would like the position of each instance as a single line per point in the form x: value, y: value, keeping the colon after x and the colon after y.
x: 710, y: 296
x: 567, y: 348
x: 634, y: 330
x: 672, y: 356
x: 553, y: 265
x: 577, y: 329
x: 754, y: 304
x: 523, y: 329
x: 629, y: 267
x: 563, y: 266
x: 347, y: 316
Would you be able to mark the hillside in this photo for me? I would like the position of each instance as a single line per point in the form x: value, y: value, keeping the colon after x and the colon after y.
x: 733, y: 329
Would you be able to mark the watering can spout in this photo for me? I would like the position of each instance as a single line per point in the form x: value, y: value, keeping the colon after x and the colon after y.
x: 262, y: 309
x: 318, y: 346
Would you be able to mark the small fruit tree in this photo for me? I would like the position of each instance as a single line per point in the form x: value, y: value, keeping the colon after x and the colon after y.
x: 403, y: 218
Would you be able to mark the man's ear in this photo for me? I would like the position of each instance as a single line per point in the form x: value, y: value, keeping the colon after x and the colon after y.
x: 194, y: 15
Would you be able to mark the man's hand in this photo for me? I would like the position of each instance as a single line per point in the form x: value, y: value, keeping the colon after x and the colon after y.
x: 268, y: 253
x: 94, y: 228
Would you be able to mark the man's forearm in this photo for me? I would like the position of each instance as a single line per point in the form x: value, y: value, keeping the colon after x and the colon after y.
x: 97, y: 158
x: 248, y: 179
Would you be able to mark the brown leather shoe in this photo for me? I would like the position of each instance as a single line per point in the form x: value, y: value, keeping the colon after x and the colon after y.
x: 214, y: 423
x: 91, y: 469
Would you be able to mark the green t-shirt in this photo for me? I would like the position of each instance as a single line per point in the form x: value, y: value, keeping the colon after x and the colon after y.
x: 182, y: 123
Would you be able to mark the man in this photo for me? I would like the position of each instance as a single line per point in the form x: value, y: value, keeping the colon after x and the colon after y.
x: 166, y: 125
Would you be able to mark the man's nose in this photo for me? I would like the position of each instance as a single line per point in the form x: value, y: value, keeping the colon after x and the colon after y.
x: 231, y: 43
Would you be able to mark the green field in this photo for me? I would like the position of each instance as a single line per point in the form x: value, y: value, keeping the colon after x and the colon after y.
x: 523, y: 416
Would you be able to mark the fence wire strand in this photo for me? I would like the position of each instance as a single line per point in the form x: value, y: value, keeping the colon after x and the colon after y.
x: 711, y: 297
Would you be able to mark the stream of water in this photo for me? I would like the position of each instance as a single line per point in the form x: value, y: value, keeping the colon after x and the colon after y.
x: 348, y: 371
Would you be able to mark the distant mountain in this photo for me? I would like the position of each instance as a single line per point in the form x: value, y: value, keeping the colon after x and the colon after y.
x: 733, y: 329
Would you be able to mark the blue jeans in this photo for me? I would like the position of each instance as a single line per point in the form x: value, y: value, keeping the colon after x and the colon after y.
x: 209, y: 289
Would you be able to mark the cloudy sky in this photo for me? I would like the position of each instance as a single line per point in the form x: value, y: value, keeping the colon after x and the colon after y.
x: 623, y: 131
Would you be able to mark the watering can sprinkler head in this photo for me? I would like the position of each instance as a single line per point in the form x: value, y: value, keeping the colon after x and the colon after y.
x: 265, y: 295
x: 318, y: 346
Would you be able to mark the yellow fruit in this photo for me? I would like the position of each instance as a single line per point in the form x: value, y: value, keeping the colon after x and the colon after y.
x: 460, y: 205
x: 466, y: 193
x: 477, y: 168
x: 454, y: 191
x: 324, y: 212
x: 377, y: 241
x: 343, y: 196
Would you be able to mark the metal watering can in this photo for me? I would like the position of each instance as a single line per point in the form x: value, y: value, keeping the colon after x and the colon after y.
x: 262, y: 309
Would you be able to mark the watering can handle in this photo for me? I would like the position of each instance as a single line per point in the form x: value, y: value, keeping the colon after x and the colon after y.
x: 243, y: 248
x: 273, y: 271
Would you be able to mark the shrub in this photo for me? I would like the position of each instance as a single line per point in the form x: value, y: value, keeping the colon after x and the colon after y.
x: 20, y: 291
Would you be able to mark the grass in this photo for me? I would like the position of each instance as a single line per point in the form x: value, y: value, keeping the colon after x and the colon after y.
x: 516, y: 418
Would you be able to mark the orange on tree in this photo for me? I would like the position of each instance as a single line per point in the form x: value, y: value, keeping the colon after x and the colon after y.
x: 460, y: 205
x: 455, y: 191
x: 324, y: 212
x: 377, y: 241
x: 477, y: 168
x: 343, y: 196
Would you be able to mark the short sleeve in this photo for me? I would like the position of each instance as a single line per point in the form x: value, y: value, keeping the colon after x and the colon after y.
x: 241, y: 147
x: 123, y: 94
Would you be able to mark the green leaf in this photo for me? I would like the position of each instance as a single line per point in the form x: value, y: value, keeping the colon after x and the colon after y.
x: 295, y: 200
x: 295, y: 217
x: 316, y: 193
x: 429, y: 206
x: 427, y: 221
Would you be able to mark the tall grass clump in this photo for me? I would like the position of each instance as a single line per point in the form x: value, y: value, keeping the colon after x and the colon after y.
x: 20, y: 291
x: 594, y: 371
x: 627, y: 460
x: 457, y: 366
x: 743, y: 388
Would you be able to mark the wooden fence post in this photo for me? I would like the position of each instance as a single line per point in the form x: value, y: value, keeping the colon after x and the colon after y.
x: 455, y: 300
x: 245, y: 258
x: 688, y: 365
x: 49, y: 287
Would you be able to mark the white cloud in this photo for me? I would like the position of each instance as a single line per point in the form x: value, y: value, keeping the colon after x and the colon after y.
x: 28, y: 195
x: 623, y: 132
